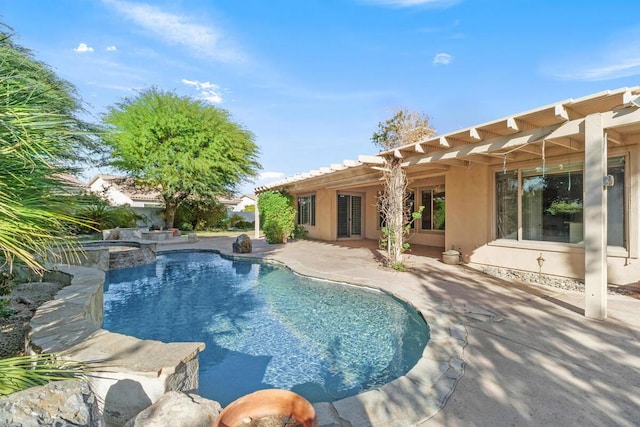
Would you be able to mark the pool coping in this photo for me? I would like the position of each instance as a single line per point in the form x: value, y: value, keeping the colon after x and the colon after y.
x: 419, y: 394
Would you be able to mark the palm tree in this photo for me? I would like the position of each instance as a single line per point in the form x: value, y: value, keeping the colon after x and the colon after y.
x: 39, y: 137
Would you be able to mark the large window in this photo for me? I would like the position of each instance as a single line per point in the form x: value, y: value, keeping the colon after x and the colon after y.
x: 409, y: 209
x: 616, y: 224
x: 307, y: 210
x: 507, y: 205
x: 434, y: 213
x: 550, y: 203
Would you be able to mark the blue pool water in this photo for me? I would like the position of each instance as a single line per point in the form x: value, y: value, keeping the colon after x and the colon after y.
x: 266, y: 327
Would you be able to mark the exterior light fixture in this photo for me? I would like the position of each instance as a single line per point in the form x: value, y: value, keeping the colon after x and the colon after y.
x: 540, y: 260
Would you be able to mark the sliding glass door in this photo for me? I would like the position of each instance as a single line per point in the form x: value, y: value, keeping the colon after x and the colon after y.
x: 349, y: 215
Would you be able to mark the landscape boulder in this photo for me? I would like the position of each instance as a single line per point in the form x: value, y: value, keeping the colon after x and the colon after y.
x: 178, y: 408
x: 60, y: 404
x: 242, y: 245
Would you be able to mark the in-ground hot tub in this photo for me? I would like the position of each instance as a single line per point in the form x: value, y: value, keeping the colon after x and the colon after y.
x: 115, y: 254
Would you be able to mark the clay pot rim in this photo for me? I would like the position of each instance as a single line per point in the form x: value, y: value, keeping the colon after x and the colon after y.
x: 268, y: 402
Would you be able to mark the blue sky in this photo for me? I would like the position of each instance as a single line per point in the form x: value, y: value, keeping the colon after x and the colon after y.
x: 312, y: 78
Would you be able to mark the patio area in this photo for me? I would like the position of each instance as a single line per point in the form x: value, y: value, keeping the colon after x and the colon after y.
x: 535, y: 361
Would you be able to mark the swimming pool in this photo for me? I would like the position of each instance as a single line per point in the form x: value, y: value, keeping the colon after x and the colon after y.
x: 266, y: 327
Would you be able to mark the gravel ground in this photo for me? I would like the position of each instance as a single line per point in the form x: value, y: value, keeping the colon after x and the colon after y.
x: 24, y: 300
x: 553, y: 281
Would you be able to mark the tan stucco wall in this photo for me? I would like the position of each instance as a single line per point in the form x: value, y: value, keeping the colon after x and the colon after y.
x: 371, y: 229
x: 325, y: 228
x: 468, y: 208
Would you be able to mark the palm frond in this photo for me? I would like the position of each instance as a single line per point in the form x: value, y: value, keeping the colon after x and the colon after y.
x: 22, y: 372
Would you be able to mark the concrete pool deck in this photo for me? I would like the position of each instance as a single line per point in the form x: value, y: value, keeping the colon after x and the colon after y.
x: 530, y: 356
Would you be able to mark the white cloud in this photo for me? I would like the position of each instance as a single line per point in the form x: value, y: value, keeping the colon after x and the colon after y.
x: 83, y: 48
x: 625, y: 68
x: 608, y: 61
x: 442, y: 59
x: 180, y: 30
x: 411, y: 3
x: 209, y: 92
x: 270, y: 175
x: 111, y: 48
x: 625, y: 62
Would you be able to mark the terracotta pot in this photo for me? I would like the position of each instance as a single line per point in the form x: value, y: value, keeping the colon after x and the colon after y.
x: 268, y: 402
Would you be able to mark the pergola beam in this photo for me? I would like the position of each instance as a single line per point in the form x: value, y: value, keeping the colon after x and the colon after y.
x: 371, y: 160
x: 489, y: 146
x: 561, y: 113
x: 512, y: 125
x: 615, y: 137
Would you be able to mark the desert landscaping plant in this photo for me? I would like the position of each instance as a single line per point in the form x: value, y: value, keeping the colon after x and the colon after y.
x: 21, y: 372
x: 98, y: 214
x: 40, y: 139
x: 181, y: 147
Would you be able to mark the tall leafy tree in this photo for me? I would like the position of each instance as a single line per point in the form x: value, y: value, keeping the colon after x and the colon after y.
x: 40, y: 137
x: 181, y: 147
x: 405, y: 127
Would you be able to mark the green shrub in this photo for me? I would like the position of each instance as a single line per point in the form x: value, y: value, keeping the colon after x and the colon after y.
x: 201, y: 214
x: 299, y: 232
x: 234, y: 221
x: 186, y: 226
x: 101, y: 216
x: 5, y: 289
x: 277, y: 215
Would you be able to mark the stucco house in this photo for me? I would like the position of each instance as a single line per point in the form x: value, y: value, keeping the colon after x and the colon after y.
x: 235, y: 206
x: 238, y: 204
x: 71, y: 184
x: 121, y: 191
x: 244, y: 201
x: 554, y: 189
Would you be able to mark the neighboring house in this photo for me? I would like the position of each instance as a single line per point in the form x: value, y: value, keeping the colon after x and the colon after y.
x: 229, y: 203
x: 121, y: 191
x: 244, y: 201
x: 236, y: 206
x: 555, y: 189
x: 72, y: 185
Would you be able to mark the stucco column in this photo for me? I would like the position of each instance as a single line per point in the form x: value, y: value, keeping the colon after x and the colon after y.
x: 595, y: 218
x: 256, y: 221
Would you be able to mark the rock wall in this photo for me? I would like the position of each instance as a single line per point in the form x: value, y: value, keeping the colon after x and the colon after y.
x: 127, y: 374
x: 116, y: 254
x: 61, y: 404
x: 123, y: 234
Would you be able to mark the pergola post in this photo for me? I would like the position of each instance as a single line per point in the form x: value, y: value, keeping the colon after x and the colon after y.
x: 595, y: 218
x: 256, y: 221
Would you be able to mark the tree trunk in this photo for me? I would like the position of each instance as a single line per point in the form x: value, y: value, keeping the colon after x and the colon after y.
x: 397, y: 188
x: 169, y: 214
